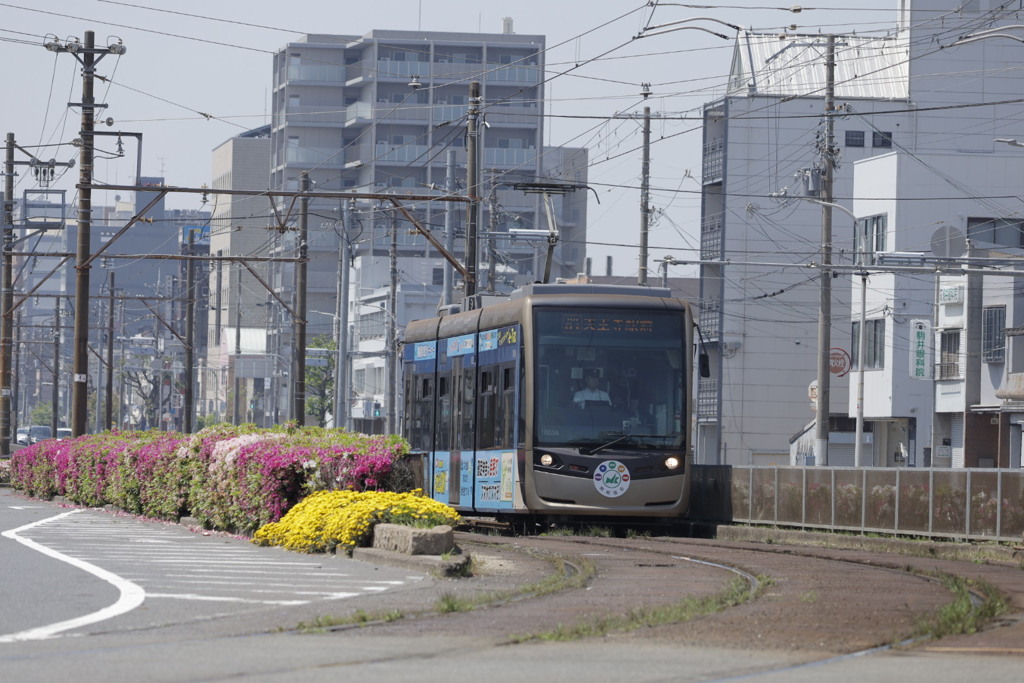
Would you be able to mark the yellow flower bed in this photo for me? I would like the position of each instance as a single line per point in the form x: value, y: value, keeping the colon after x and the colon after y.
x: 327, y: 520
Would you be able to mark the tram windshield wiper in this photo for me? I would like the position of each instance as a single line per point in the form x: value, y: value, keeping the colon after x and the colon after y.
x: 595, y: 451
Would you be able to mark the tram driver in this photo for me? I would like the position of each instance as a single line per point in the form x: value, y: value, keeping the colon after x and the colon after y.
x: 591, y: 392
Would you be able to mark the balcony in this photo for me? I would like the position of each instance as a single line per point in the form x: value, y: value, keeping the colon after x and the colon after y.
x: 714, y: 161
x: 510, y: 157
x: 398, y: 154
x: 710, y: 319
x: 317, y: 115
x: 404, y: 70
x: 316, y: 73
x: 330, y: 157
x: 514, y: 74
x: 707, y: 399
x: 711, y: 237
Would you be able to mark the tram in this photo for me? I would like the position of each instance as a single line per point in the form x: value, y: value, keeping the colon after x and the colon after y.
x: 562, y: 401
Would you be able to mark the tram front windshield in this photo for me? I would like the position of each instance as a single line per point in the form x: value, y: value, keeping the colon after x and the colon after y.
x: 604, y: 375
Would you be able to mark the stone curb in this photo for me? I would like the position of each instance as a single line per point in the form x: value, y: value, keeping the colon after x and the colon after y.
x: 455, y: 565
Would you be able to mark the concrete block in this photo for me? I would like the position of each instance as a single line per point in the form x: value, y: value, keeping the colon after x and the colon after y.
x: 412, y: 541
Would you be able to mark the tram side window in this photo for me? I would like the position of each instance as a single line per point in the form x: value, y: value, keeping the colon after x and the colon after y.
x: 486, y: 402
x: 444, y: 413
x: 421, y: 414
x: 467, y: 408
x: 506, y: 412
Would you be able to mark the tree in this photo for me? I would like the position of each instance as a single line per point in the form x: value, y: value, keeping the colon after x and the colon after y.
x: 320, y: 381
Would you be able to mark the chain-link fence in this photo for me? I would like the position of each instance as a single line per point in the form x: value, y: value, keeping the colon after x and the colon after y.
x: 979, y: 504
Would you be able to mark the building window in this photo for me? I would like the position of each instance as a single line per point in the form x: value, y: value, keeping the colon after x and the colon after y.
x: 1001, y: 231
x: 993, y: 334
x: 870, y: 238
x: 854, y: 138
x: 874, y: 344
x: 881, y: 139
x: 949, y: 354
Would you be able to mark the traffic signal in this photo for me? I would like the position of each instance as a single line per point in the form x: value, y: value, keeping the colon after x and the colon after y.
x: 376, y: 410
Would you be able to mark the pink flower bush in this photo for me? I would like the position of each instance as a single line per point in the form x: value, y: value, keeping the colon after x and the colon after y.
x: 234, y: 478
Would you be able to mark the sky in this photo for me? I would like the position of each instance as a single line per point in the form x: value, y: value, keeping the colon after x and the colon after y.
x: 197, y: 73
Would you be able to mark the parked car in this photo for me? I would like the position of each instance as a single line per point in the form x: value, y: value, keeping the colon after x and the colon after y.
x: 37, y: 433
x: 63, y: 433
x: 21, y: 436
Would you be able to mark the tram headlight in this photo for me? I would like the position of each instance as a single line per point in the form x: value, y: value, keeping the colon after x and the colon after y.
x: 546, y: 460
x: 672, y: 463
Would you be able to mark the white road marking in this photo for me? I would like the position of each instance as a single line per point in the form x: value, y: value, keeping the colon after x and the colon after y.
x: 131, y: 595
x: 214, y: 598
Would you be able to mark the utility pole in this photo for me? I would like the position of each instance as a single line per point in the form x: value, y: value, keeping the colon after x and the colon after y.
x: 391, y: 359
x: 449, y: 229
x: 473, y: 186
x: 88, y: 55
x: 190, y: 322
x: 341, y: 395
x: 6, y: 301
x: 55, y: 396
x: 492, y: 228
x: 108, y: 407
x: 7, y: 285
x: 645, y: 197
x: 299, y: 380
x: 825, y: 296
x: 236, y: 401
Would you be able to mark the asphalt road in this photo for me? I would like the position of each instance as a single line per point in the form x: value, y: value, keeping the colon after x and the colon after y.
x: 92, y: 596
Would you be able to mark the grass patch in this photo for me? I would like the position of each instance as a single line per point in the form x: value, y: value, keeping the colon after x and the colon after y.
x: 964, y: 614
x: 449, y: 603
x: 736, y: 592
x: 327, y: 622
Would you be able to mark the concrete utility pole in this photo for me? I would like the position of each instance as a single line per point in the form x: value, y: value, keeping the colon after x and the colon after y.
x: 449, y: 229
x: 299, y: 380
x: 391, y: 358
x: 341, y: 372
x: 825, y: 298
x: 55, y: 395
x: 190, y: 322
x: 6, y: 301
x: 237, y: 398
x: 473, y: 187
x: 108, y: 406
x: 645, y: 198
x: 88, y: 55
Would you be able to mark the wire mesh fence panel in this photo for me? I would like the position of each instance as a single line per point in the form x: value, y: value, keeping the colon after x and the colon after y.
x: 949, y: 502
x: 818, y: 497
x: 849, y: 498
x: 914, y: 500
x: 880, y: 506
x: 791, y: 495
x: 984, y: 502
x: 763, y: 495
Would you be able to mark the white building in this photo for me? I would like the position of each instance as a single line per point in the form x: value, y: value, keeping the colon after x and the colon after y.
x: 903, y: 91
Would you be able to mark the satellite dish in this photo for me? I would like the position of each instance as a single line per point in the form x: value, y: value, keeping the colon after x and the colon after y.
x: 948, y: 242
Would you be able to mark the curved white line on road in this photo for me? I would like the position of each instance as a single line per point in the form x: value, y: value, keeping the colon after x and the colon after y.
x: 132, y: 595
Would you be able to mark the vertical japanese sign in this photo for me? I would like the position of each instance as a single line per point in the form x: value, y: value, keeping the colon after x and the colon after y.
x: 920, y: 350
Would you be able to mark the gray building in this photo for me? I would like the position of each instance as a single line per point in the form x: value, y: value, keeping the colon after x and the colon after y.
x: 383, y: 113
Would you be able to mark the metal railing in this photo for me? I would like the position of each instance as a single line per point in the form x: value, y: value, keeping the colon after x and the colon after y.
x: 975, y: 504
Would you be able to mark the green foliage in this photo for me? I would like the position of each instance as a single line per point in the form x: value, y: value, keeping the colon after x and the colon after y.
x: 320, y: 382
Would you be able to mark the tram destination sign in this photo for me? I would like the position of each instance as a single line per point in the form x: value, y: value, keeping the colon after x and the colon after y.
x: 591, y: 322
